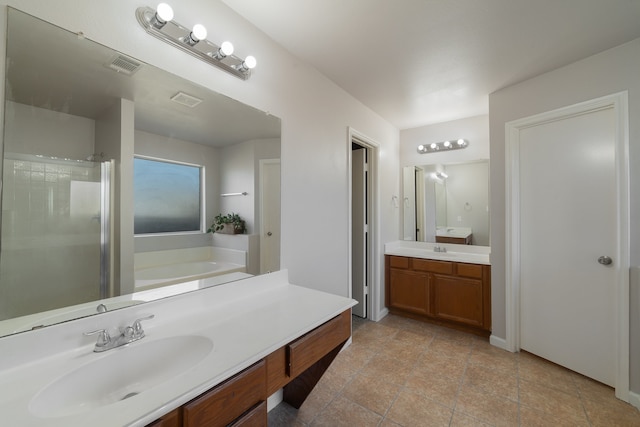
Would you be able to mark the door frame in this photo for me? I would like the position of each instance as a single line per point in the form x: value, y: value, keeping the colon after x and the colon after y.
x: 372, y: 148
x: 619, y: 102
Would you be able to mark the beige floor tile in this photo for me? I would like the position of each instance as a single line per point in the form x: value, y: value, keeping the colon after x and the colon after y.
x: 541, y: 371
x: 462, y: 420
x: 442, y: 363
x: 387, y: 368
x: 594, y: 390
x: 492, y: 381
x: 611, y: 413
x: 411, y: 409
x: 488, y: 356
x: 356, y: 355
x: 551, y: 401
x: 372, y: 393
x: 530, y: 417
x: 488, y: 408
x: 439, y: 388
x: 451, y: 348
x: 344, y: 412
x: 319, y: 398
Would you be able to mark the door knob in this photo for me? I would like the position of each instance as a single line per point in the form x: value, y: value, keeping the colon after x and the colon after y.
x: 269, y: 233
x: 605, y: 260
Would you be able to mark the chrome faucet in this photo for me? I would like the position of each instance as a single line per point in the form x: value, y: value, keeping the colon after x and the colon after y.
x: 127, y: 335
x: 439, y: 249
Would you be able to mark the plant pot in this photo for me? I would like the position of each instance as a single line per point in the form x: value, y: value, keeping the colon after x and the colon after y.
x: 228, y: 229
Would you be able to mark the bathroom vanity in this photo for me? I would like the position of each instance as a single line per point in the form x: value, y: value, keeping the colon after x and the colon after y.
x: 210, y: 357
x: 451, y: 288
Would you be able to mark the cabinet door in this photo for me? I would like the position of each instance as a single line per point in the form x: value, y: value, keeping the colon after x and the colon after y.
x: 226, y: 402
x: 409, y: 291
x: 458, y: 299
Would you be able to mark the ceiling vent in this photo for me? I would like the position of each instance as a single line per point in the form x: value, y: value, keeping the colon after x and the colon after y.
x: 124, y: 65
x: 186, y: 100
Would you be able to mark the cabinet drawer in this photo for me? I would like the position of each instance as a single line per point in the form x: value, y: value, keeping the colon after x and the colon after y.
x: 443, y: 267
x: 255, y: 417
x: 172, y: 419
x: 469, y: 270
x: 226, y: 402
x: 398, y: 262
x: 308, y: 349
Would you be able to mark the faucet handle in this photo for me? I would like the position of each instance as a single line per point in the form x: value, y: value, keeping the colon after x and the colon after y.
x: 138, y: 332
x: 103, y: 337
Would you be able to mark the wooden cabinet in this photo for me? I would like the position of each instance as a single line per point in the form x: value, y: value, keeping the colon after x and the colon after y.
x: 228, y: 401
x: 240, y: 401
x: 457, y: 240
x: 449, y: 293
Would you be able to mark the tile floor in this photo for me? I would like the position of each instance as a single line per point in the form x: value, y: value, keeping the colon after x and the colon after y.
x: 401, y: 372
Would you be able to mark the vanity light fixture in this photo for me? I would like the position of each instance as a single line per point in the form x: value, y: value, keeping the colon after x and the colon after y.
x: 159, y: 23
x: 434, y: 147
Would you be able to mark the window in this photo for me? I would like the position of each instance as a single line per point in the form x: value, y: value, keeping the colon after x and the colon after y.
x: 167, y: 196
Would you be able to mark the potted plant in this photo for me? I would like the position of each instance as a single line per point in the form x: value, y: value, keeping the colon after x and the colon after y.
x: 227, y: 224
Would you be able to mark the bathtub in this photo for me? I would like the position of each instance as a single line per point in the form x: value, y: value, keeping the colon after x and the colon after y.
x: 162, y: 268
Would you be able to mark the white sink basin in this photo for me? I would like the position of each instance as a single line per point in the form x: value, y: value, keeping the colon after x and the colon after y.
x: 119, y: 374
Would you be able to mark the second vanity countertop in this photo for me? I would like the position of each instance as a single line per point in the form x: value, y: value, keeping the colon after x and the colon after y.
x: 246, y: 321
x: 459, y: 253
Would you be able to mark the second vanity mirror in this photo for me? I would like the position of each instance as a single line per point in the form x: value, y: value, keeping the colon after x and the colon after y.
x: 76, y: 115
x: 447, y: 203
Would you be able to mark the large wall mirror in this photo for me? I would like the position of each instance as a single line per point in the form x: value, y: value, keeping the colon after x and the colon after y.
x: 76, y: 115
x: 447, y: 203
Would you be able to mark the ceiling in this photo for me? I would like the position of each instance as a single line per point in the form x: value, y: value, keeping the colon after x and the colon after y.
x: 418, y: 62
x: 52, y: 68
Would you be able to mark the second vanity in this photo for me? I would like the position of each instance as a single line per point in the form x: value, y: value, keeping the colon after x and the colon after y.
x: 210, y: 357
x: 448, y: 284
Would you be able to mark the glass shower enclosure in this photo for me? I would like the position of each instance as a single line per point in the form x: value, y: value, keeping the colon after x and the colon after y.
x: 55, y: 233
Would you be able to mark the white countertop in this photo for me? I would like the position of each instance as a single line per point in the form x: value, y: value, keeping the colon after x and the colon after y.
x: 246, y: 320
x: 471, y: 254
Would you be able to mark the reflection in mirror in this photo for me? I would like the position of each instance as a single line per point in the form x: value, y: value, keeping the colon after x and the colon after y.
x: 76, y: 114
x: 447, y: 203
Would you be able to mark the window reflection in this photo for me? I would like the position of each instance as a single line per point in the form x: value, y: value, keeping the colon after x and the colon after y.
x: 167, y: 196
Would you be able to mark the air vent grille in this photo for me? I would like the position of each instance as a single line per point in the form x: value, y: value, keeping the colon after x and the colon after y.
x: 124, y: 65
x: 186, y: 100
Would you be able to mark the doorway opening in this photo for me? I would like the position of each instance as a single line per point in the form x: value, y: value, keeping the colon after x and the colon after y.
x: 362, y: 191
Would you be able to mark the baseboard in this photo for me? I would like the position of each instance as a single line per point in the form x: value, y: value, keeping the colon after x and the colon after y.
x: 498, y: 342
x: 634, y: 399
x: 381, y: 315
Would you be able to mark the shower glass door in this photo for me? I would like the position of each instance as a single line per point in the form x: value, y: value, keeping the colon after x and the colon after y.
x: 54, y: 233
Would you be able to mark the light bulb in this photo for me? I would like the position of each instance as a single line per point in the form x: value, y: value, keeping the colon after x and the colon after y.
x: 226, y: 48
x: 447, y: 144
x: 250, y: 62
x: 461, y: 142
x: 434, y: 146
x: 164, y: 12
x: 420, y: 147
x: 199, y: 32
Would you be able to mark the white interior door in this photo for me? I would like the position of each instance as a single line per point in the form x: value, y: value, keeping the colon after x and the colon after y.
x: 568, y: 220
x: 270, y: 215
x: 359, y: 231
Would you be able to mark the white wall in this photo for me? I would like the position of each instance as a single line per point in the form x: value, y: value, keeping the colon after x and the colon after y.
x: 608, y: 72
x: 315, y: 117
x: 33, y: 130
